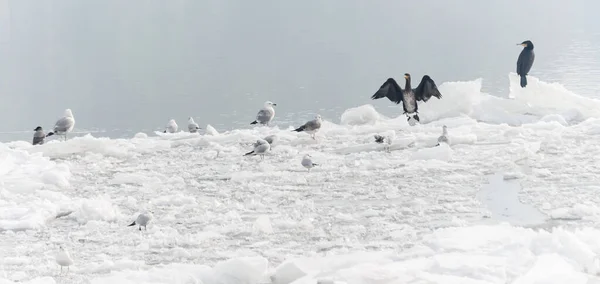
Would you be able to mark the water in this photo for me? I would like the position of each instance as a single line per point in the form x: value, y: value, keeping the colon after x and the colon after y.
x: 501, y: 197
x: 125, y: 67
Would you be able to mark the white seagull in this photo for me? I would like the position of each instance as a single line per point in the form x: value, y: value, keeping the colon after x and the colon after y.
x: 444, y: 138
x: 192, y: 125
x: 266, y: 114
x: 260, y: 148
x: 64, y: 125
x: 142, y: 220
x: 171, y: 126
x: 311, y: 127
x: 307, y: 162
x: 63, y: 258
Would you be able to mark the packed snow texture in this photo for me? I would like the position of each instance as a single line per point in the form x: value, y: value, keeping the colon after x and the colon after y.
x: 362, y: 216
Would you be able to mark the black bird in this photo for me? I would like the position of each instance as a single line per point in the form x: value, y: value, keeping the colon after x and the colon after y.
x: 409, y: 97
x: 525, y: 61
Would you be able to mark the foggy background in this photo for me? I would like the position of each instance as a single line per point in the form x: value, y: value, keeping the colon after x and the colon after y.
x: 130, y: 66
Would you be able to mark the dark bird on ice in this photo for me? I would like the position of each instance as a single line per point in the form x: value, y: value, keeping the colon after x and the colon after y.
x: 525, y: 61
x: 408, y: 97
x: 38, y: 136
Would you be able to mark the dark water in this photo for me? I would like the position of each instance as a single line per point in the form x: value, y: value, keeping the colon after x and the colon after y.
x: 129, y: 66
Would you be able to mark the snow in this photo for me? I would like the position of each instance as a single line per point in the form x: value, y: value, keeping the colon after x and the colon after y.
x: 512, y: 199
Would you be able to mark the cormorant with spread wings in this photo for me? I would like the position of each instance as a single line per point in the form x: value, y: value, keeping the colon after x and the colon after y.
x: 409, y: 97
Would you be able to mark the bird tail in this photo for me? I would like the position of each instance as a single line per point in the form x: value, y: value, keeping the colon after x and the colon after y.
x: 49, y: 134
x: 314, y: 164
x: 254, y: 122
x: 523, y: 81
x: 301, y: 128
x: 164, y: 131
x: 249, y: 153
x: 132, y: 224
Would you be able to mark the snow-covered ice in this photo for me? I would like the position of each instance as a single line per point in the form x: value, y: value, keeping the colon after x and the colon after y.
x: 414, y: 215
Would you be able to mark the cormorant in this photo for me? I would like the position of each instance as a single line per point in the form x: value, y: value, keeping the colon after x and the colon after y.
x: 525, y: 61
x: 409, y: 97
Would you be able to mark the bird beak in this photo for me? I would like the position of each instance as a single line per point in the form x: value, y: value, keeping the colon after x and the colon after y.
x: 275, y: 104
x: 522, y: 44
x: 405, y: 77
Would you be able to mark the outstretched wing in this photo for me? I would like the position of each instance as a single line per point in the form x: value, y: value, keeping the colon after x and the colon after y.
x: 426, y: 90
x: 389, y: 89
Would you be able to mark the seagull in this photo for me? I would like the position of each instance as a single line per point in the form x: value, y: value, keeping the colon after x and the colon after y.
x: 311, y: 127
x: 192, y: 125
x: 38, y: 136
x: 380, y: 139
x: 444, y: 137
x: 270, y: 139
x: 64, y: 124
x: 260, y: 148
x: 171, y: 126
x: 63, y: 258
x: 307, y: 162
x: 266, y: 114
x: 142, y: 220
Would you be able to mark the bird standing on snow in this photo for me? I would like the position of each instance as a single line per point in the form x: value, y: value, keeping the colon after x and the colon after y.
x: 260, y: 148
x: 38, y: 136
x: 142, y: 220
x: 525, y: 61
x: 409, y: 97
x: 64, y: 124
x: 266, y: 114
x: 311, y: 127
x: 171, y: 126
x: 444, y: 138
x: 380, y: 139
x: 63, y: 258
x: 307, y: 162
x: 192, y: 125
x: 270, y: 139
